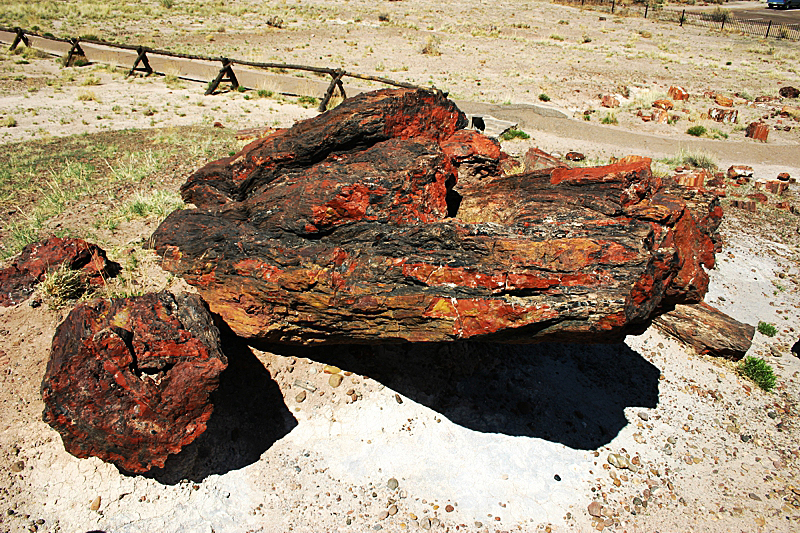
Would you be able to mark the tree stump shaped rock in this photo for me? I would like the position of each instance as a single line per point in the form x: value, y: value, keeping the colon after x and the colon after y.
x: 129, y: 379
x: 359, y: 226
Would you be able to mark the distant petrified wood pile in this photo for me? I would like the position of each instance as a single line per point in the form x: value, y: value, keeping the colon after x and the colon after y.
x: 354, y: 226
x: 129, y: 379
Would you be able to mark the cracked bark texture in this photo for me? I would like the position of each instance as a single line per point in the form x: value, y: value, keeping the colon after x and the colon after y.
x: 383, y: 221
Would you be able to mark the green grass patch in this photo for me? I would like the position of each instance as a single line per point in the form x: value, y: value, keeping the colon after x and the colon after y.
x: 514, y: 133
x: 759, y: 371
x: 696, y: 131
x: 43, y: 179
x: 610, y: 118
x: 696, y: 159
x: 765, y: 328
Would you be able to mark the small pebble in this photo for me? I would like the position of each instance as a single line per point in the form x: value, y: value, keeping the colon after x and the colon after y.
x: 398, y: 398
x: 17, y: 466
x: 595, y: 509
x: 479, y: 524
x: 672, y: 440
x: 754, y: 496
x: 95, y: 504
x: 644, y: 415
x: 377, y: 527
x: 335, y: 380
x: 330, y: 369
x: 392, y: 510
x: 449, y: 508
x: 392, y: 484
x: 383, y: 515
x: 301, y: 397
x: 425, y: 523
x: 557, y: 477
x: 746, y: 438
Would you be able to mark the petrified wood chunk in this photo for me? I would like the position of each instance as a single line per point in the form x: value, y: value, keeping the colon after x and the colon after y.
x: 129, y: 379
x: 353, y: 227
x: 19, y: 279
x: 708, y: 330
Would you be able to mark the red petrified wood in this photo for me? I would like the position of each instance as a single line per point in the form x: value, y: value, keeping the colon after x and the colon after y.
x: 359, y: 225
x: 18, y: 280
x: 708, y: 330
x: 129, y: 380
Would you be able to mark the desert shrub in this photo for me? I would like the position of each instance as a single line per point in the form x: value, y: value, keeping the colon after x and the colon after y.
x: 765, y: 328
x: 62, y: 285
x: 696, y: 131
x: 544, y: 98
x: 8, y: 122
x: 383, y: 17
x: 610, y: 118
x: 514, y: 133
x: 759, y: 371
x: 431, y: 47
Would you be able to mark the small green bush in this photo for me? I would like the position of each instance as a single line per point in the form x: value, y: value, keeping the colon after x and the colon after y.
x: 514, y: 133
x: 759, y: 371
x: 696, y: 131
x: 544, y: 98
x: 610, y: 118
x: 765, y: 328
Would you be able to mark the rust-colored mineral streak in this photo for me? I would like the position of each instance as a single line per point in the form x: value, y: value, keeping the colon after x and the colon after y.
x: 383, y: 221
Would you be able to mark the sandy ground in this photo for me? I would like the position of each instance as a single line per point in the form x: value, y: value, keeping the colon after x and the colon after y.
x: 477, y: 437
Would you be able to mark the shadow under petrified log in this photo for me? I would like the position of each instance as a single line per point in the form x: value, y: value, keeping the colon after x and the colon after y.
x: 249, y: 417
x: 574, y: 394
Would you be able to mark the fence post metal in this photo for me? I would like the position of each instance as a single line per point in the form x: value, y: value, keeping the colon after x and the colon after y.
x: 768, y: 28
x: 723, y: 23
x: 613, y: 2
x: 683, y: 15
x: 645, y: 10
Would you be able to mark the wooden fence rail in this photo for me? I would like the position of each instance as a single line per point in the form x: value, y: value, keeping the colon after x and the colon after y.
x: 226, y: 72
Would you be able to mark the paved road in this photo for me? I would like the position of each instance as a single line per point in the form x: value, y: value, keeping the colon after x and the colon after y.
x: 751, y: 11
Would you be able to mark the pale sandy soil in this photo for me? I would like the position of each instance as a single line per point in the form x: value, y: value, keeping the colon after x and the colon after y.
x: 514, y: 438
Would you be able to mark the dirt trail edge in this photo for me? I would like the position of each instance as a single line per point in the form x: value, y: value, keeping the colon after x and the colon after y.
x: 528, y: 118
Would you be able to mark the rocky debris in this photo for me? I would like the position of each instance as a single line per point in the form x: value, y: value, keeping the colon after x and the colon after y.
x: 536, y: 159
x: 776, y: 186
x: 31, y: 266
x: 723, y: 101
x: 666, y: 105
x: 574, y: 156
x: 692, y: 177
x: 758, y: 197
x: 789, y: 92
x: 747, y: 205
x: 609, y: 100
x: 708, y: 330
x: 129, y: 379
x: 739, y: 171
x: 758, y: 131
x: 729, y: 116
x: 678, y: 93
x: 659, y: 116
x: 784, y: 176
x: 351, y: 227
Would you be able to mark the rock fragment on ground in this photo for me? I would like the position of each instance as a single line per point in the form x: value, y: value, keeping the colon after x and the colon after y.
x: 129, y: 379
x: 31, y: 266
x: 708, y: 330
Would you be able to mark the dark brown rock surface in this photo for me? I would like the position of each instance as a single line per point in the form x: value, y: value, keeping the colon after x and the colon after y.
x: 29, y: 268
x: 129, y: 379
x: 708, y: 330
x: 353, y: 227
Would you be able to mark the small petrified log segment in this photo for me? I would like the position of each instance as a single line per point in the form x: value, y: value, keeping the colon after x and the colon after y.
x: 129, y: 379
x: 30, y: 267
x: 375, y: 240
x: 708, y: 330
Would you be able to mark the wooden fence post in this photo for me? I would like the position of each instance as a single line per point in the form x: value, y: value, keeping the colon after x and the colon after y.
x: 645, y: 9
x: 76, y: 50
x: 337, y: 81
x: 225, y: 74
x: 613, y: 3
x: 141, y: 58
x: 683, y: 15
x: 768, y: 28
x: 20, y: 37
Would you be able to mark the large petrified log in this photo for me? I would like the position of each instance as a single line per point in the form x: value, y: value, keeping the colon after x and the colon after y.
x: 129, y: 379
x: 29, y: 268
x: 708, y: 330
x: 353, y: 227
